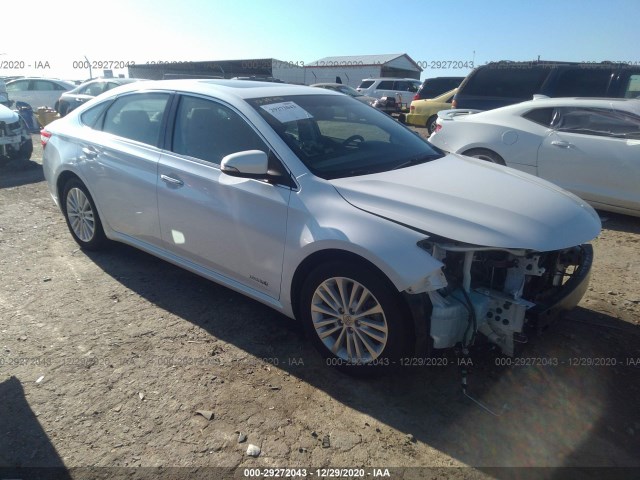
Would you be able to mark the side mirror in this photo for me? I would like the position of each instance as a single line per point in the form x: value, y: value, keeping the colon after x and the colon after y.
x: 247, y: 164
x: 255, y: 164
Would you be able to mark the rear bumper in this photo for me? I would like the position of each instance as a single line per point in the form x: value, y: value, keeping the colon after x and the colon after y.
x: 416, y: 119
x: 568, y: 297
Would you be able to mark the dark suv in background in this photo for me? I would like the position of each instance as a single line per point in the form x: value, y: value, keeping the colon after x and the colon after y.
x: 503, y: 83
x: 433, y: 87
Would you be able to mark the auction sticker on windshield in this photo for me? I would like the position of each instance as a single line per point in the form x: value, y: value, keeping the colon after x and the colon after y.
x: 287, y: 111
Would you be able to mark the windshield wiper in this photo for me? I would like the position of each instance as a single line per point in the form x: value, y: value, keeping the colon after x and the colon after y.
x: 418, y: 159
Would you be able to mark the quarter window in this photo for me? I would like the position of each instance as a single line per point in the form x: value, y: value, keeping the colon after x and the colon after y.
x: 209, y: 131
x: 94, y: 89
x: 19, y: 86
x: 633, y: 87
x: 541, y: 116
x: 583, y: 82
x: 137, y: 117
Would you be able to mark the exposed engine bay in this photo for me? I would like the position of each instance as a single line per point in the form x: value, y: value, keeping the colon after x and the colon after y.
x: 502, y: 294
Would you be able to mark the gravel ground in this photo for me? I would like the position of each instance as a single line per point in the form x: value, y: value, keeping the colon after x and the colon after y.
x: 117, y: 359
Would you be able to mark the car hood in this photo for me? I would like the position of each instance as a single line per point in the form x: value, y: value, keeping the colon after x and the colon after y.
x: 7, y: 115
x: 475, y: 202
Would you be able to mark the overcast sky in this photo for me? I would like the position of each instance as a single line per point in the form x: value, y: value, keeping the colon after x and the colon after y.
x: 55, y: 34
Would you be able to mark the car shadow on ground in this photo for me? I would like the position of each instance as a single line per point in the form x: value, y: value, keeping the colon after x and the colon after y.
x: 619, y: 222
x: 572, y: 399
x: 15, y: 174
x: 25, y: 448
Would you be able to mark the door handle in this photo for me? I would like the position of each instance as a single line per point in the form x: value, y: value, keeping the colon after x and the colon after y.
x: 561, y: 144
x: 172, y: 181
x: 89, y: 152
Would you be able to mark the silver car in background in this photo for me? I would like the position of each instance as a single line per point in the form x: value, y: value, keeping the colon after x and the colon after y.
x: 326, y: 210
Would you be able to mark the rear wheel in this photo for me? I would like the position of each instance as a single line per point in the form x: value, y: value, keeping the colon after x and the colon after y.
x: 355, y: 318
x: 82, y: 216
x: 485, y: 154
x: 431, y: 124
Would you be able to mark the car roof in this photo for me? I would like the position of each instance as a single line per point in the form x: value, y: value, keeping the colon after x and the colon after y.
x: 40, y: 78
x: 627, y: 104
x: 329, y: 84
x: 624, y: 103
x: 115, y: 79
x: 391, y: 78
x: 242, y: 89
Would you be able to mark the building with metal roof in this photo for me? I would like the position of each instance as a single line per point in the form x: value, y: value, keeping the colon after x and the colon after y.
x: 269, y: 69
x: 351, y: 69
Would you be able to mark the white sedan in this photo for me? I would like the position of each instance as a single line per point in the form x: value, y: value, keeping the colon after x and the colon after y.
x: 326, y: 210
x: 588, y: 146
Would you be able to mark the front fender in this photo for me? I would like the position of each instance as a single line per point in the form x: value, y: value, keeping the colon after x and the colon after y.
x: 392, y: 248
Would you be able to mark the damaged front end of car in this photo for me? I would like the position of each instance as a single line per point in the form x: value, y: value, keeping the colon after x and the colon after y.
x: 502, y: 294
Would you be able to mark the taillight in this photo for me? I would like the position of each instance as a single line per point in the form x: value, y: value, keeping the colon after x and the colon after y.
x: 412, y: 109
x: 454, y: 103
x: 438, y: 127
x: 416, y: 97
x: 44, y: 137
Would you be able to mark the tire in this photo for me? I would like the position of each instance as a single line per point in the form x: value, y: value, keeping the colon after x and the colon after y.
x: 431, y: 123
x: 82, y: 216
x: 63, y: 109
x: 24, y: 154
x: 484, y: 154
x: 342, y: 336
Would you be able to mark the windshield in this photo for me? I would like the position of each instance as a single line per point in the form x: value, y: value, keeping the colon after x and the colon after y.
x: 346, y: 89
x: 336, y: 136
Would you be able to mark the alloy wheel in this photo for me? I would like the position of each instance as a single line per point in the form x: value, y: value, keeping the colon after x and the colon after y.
x: 349, y: 320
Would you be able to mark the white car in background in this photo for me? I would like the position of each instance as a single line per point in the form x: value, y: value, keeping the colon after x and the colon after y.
x: 38, y: 92
x: 588, y: 146
x: 401, y: 89
x: 326, y: 210
x: 15, y: 140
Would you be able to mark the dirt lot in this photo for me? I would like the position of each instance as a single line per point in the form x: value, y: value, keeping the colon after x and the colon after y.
x: 106, y: 358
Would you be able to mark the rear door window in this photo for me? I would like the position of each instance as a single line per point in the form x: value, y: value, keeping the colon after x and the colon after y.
x: 541, y: 116
x: 366, y: 84
x: 633, y: 87
x: 502, y: 81
x: 386, y: 85
x: 583, y: 82
x: 137, y: 117
x: 405, y: 86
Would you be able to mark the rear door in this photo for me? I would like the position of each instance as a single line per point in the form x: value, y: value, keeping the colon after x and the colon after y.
x: 384, y: 89
x: 594, y: 153
x: 44, y: 93
x: 233, y: 226
x: 120, y: 158
x: 406, y: 89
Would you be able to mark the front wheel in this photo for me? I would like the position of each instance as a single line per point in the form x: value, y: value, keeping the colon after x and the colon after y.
x: 355, y: 318
x: 82, y: 216
x: 24, y: 153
